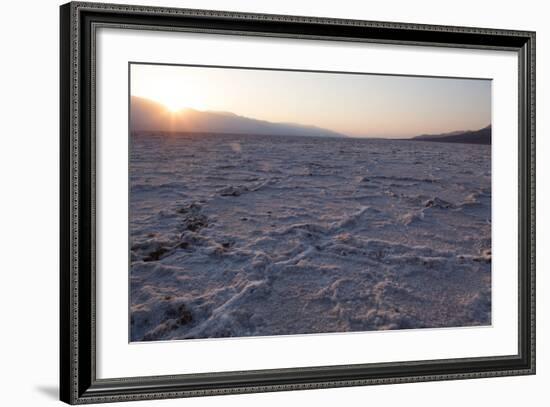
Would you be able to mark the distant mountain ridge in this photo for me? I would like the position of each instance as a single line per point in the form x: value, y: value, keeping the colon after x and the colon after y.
x: 481, y: 136
x: 148, y: 115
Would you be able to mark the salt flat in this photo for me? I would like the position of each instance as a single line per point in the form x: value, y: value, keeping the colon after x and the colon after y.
x: 242, y: 235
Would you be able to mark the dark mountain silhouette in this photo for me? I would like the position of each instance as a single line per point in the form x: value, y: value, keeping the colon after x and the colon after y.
x: 481, y: 136
x: 149, y: 116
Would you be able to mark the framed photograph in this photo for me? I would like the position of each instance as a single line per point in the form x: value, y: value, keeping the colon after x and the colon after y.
x: 255, y: 203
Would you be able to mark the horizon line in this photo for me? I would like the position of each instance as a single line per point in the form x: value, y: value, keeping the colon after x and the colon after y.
x: 344, y: 135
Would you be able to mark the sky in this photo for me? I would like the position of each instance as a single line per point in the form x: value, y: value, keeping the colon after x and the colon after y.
x: 357, y: 105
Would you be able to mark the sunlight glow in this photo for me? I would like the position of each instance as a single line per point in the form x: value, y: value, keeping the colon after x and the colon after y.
x: 176, y: 102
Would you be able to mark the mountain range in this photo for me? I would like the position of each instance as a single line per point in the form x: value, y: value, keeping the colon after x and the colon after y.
x: 481, y: 136
x: 148, y: 115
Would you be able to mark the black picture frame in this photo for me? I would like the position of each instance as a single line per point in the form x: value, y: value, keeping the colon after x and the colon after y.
x: 78, y: 382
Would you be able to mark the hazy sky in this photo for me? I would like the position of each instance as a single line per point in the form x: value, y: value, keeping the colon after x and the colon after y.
x: 357, y: 105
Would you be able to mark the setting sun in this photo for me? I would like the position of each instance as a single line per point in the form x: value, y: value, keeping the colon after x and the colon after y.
x: 172, y: 91
x: 176, y: 102
x: 173, y: 105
